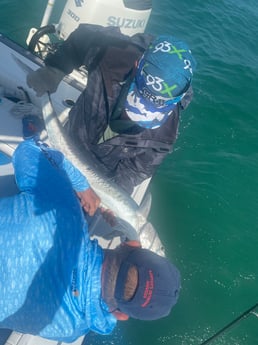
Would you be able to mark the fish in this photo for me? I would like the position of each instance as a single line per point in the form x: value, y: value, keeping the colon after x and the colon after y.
x: 112, y: 196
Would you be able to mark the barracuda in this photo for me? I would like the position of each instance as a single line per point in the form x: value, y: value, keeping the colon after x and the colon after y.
x: 112, y: 197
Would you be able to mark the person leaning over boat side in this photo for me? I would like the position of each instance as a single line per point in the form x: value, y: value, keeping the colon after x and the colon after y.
x: 55, y: 281
x: 128, y: 114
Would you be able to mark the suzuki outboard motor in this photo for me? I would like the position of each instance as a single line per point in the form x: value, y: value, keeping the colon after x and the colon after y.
x: 130, y: 15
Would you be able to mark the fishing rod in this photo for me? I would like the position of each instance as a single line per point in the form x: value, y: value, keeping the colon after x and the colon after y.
x: 244, y: 315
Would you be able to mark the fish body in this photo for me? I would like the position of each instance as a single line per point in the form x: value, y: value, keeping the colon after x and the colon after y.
x: 112, y: 197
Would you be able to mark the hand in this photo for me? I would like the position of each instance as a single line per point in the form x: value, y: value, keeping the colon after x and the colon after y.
x: 45, y: 79
x: 109, y: 216
x: 89, y: 200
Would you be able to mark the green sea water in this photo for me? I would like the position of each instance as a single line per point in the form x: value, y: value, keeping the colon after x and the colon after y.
x: 205, y: 195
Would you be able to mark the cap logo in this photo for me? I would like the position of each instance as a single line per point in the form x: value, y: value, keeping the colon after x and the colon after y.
x: 155, y: 82
x: 167, y: 47
x: 148, y: 291
x: 152, y: 98
x: 188, y: 65
x: 168, y: 89
x: 158, y: 84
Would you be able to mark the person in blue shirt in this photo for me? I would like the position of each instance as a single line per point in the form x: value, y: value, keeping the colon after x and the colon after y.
x: 55, y: 281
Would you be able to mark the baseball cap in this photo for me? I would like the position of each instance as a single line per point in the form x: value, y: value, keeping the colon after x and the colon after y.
x: 158, y: 285
x: 163, y: 76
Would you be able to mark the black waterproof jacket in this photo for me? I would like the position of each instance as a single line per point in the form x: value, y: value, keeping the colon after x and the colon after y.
x: 109, y: 56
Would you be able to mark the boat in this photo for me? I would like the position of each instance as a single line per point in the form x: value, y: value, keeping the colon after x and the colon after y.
x: 16, y: 99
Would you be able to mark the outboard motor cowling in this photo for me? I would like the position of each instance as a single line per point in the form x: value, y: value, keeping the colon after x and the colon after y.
x: 130, y: 15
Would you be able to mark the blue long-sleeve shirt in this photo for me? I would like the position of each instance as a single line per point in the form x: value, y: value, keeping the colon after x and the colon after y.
x: 50, y: 270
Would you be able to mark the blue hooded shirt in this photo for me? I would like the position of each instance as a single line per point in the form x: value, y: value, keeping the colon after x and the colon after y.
x: 50, y: 269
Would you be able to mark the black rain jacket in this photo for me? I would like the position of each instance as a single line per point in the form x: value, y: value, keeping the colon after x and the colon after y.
x: 109, y: 57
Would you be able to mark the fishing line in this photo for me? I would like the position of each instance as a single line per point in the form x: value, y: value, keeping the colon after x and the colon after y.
x: 231, y: 324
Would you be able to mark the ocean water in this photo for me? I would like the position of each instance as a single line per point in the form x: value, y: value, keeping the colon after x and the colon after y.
x: 205, y: 195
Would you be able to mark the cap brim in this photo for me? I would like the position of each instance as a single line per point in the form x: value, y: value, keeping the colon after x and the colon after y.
x: 158, y: 286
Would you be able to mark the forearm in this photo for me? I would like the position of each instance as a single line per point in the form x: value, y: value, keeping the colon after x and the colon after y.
x: 77, y: 179
x: 89, y: 200
x: 82, y: 46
